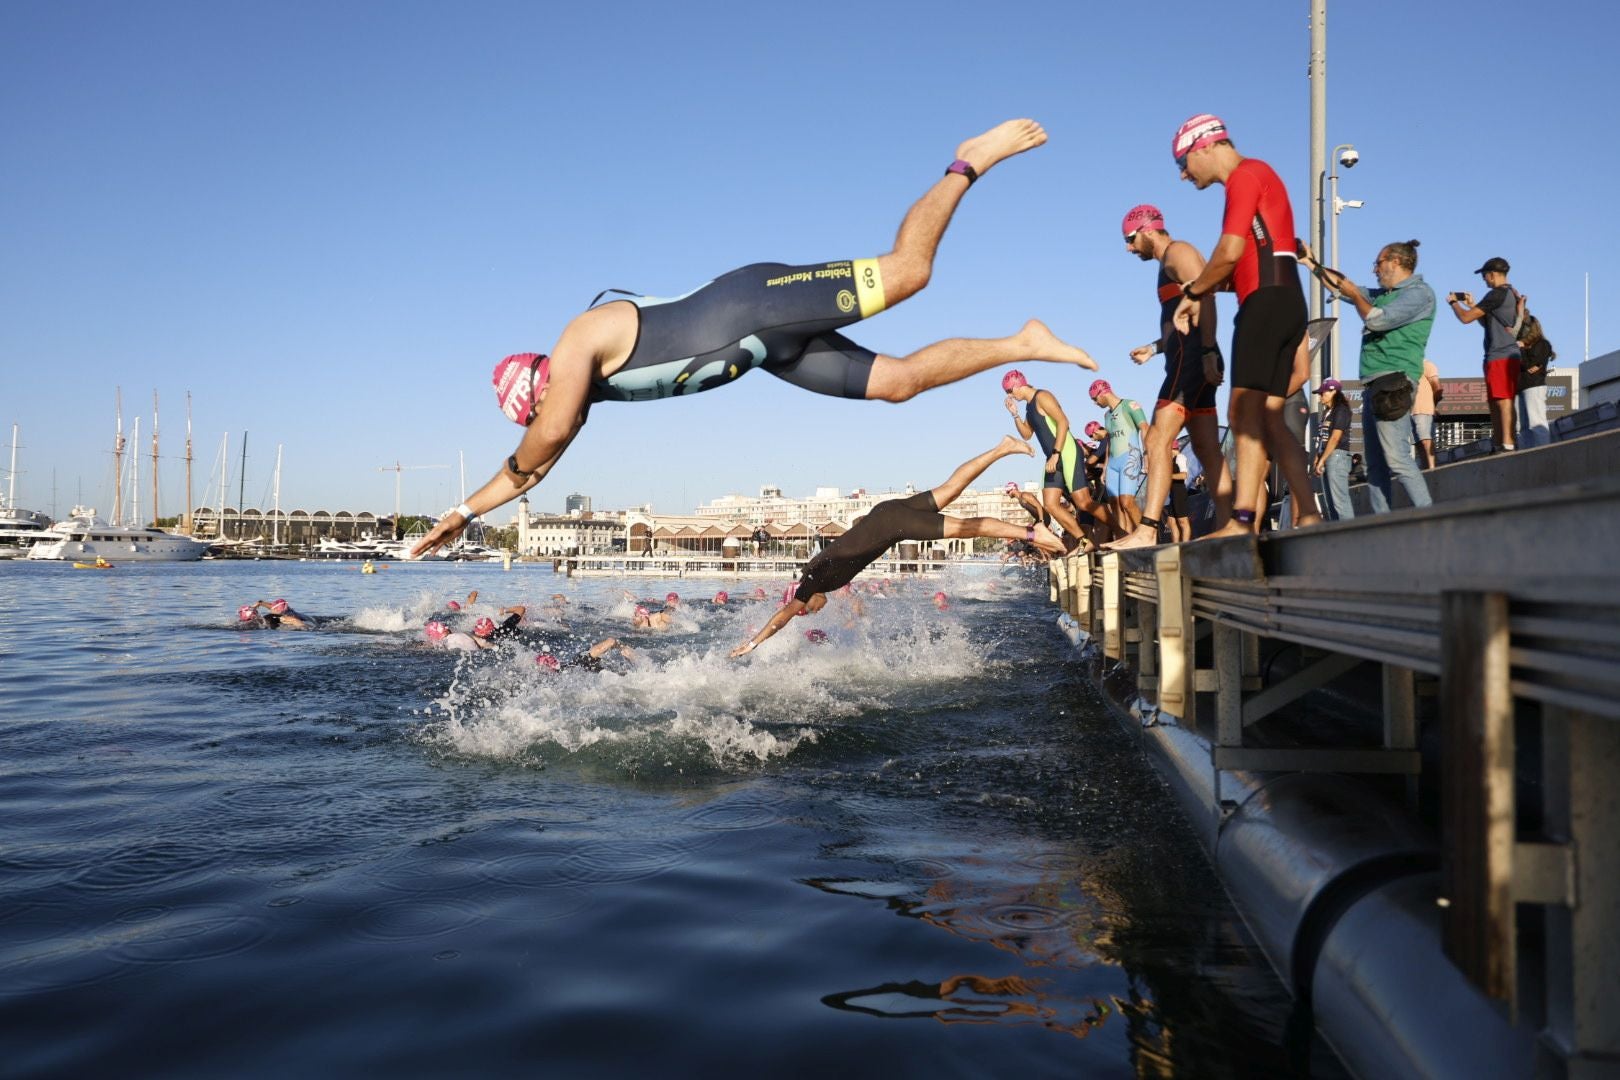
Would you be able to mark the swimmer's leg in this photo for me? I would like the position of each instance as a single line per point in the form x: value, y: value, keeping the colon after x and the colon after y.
x: 969, y: 471
x: 902, y: 378
x: 906, y: 269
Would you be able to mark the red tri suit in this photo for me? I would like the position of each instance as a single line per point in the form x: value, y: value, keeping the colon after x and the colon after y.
x: 1257, y: 207
x: 1270, y: 322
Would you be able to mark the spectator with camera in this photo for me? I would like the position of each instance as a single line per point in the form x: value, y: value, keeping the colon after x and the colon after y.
x: 1396, y: 320
x: 1499, y: 311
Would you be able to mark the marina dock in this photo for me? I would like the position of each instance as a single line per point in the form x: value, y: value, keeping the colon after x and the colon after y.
x: 1398, y: 739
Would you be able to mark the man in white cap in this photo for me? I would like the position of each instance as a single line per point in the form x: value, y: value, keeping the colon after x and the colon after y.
x: 784, y: 319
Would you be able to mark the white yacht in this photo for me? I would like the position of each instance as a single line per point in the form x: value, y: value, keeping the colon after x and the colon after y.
x: 85, y: 536
x: 19, y: 529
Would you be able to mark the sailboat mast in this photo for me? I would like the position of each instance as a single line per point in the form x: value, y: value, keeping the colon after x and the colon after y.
x: 186, y: 525
x: 241, y: 485
x: 224, y: 469
x: 155, y: 514
x: 118, y: 461
x: 135, y: 474
x: 11, y: 484
x: 275, y: 521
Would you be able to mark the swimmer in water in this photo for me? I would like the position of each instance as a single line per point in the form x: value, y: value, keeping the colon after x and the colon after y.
x: 915, y: 518
x: 643, y: 619
x: 589, y: 660
x: 440, y: 636
x: 784, y: 319
x: 277, y: 615
x: 721, y: 598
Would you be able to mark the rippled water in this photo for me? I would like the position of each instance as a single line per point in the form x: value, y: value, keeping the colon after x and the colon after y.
x: 921, y: 848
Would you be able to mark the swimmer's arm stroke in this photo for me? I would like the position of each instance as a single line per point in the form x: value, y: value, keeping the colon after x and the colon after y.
x: 783, y: 614
x: 564, y: 406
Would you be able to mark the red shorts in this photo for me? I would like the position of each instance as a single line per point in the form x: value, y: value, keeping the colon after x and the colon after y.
x: 1502, y: 378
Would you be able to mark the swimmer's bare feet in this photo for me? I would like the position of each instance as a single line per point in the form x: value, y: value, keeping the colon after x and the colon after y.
x: 1231, y: 528
x: 1039, y: 343
x: 1047, y: 540
x: 1000, y: 143
x: 1144, y: 536
x: 1307, y: 521
x: 1010, y: 445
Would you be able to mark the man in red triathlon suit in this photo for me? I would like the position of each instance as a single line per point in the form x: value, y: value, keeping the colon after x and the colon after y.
x: 1256, y: 251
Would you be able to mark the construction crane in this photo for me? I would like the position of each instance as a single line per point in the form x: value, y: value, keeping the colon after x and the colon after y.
x: 398, y: 470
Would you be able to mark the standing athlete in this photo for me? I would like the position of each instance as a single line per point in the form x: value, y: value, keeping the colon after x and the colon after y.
x: 1064, y: 471
x: 1126, y: 426
x: 1193, y: 368
x: 917, y: 517
x: 781, y: 318
x: 1256, y: 250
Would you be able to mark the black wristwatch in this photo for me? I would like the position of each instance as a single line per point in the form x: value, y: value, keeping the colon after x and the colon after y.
x: 512, y: 467
x: 1187, y: 291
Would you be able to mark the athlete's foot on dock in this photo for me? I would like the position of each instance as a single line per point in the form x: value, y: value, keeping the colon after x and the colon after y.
x: 1231, y: 528
x: 1142, y: 537
x: 1000, y: 143
x: 1308, y: 520
x: 1039, y: 343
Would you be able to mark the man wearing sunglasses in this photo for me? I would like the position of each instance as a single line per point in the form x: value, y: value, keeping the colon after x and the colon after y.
x: 784, y: 319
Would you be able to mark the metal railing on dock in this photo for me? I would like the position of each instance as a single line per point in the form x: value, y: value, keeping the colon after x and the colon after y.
x: 1512, y: 601
x: 718, y: 566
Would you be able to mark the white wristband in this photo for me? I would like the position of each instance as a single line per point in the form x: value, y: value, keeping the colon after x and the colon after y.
x: 466, y: 511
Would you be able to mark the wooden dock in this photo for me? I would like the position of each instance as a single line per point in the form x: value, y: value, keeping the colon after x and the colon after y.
x: 1485, y: 630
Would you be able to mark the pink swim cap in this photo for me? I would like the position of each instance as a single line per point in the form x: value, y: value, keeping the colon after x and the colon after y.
x: 939, y: 596
x: 721, y: 597
x: 455, y: 605
x: 247, y: 613
x: 815, y: 636
x: 1200, y: 131
x: 642, y: 612
x: 436, y: 631
x: 1099, y: 386
x: 1013, y: 489
x: 1145, y: 216
x: 518, y: 381
x: 547, y: 661
x: 278, y: 607
x: 484, y: 627
x: 1095, y: 429
x: 672, y: 598
x: 759, y: 592
x: 1013, y: 380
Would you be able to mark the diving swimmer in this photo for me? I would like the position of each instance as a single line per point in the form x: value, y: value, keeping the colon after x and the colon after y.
x: 917, y: 517
x: 784, y: 319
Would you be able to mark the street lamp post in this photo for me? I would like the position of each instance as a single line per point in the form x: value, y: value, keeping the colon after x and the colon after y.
x: 1344, y: 154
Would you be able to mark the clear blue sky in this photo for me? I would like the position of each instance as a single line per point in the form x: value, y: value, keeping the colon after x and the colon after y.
x: 328, y: 221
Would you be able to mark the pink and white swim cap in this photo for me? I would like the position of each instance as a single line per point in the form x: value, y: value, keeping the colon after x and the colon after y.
x: 1095, y: 430
x: 247, y: 613
x: 721, y: 597
x: 484, y: 627
x: 816, y: 637
x: 436, y: 631
x: 519, y: 379
x: 547, y: 661
x: 1013, y: 380
x: 1013, y: 489
x: 672, y: 598
x: 1145, y: 216
x: 278, y: 607
x: 1099, y: 386
x: 1200, y: 131
x: 455, y: 605
x: 641, y: 612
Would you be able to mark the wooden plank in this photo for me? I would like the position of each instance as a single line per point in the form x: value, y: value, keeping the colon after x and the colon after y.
x: 1228, y: 685
x: 1176, y: 639
x: 1113, y: 643
x: 1477, y: 808
x: 1298, y: 684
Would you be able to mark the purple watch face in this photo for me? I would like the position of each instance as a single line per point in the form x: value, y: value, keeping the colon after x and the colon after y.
x: 960, y: 166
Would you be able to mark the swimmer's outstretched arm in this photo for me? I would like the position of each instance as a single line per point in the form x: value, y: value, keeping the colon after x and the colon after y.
x: 563, y: 408
x: 780, y: 619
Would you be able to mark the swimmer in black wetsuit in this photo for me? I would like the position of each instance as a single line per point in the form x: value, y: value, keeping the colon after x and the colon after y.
x: 915, y: 518
x: 781, y: 318
x: 589, y: 660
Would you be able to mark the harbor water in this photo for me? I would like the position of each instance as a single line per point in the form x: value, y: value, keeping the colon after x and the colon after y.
x: 921, y: 847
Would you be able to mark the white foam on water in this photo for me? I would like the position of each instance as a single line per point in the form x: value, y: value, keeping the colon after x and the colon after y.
x: 683, y: 696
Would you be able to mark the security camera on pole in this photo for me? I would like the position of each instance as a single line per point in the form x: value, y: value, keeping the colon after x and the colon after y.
x: 1345, y: 155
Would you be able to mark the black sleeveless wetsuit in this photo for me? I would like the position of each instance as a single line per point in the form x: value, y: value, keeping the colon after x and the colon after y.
x: 916, y: 517
x: 767, y: 315
x: 1184, y: 383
